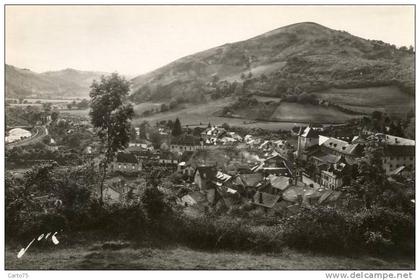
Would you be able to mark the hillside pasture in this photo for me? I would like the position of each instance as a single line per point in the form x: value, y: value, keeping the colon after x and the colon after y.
x: 196, y: 114
x: 295, y: 112
x: 142, y: 107
x: 386, y: 98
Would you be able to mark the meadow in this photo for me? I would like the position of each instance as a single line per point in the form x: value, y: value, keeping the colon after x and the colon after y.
x: 386, y: 98
x: 297, y: 112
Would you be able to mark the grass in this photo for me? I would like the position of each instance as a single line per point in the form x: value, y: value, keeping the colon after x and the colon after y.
x: 142, y: 107
x: 365, y: 100
x: 78, y: 113
x: 194, y: 114
x: 309, y: 113
x: 387, y: 98
x: 94, y: 257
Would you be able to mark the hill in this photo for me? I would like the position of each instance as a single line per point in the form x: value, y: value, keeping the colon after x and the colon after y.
x: 24, y: 83
x: 302, y: 57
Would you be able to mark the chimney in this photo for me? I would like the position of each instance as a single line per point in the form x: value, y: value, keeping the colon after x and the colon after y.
x: 260, y: 199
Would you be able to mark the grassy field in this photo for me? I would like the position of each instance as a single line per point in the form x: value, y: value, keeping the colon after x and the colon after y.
x: 185, y: 258
x: 309, y: 113
x: 287, y: 115
x: 142, y: 107
x: 194, y: 114
x: 390, y: 99
x: 79, y: 113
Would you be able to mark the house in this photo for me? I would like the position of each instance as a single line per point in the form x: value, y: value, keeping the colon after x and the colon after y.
x: 111, y: 194
x: 276, y: 164
x: 168, y: 158
x: 126, y: 162
x: 398, y: 151
x: 222, y: 179
x: 142, y: 145
x: 249, y: 180
x: 334, y: 177
x: 184, y: 143
x: 278, y: 184
x: 340, y: 147
x: 396, y: 156
x: 185, y: 169
x: 193, y: 198
x: 204, y: 176
x: 249, y: 183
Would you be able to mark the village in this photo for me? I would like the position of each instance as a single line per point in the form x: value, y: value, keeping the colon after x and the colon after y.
x: 211, y: 168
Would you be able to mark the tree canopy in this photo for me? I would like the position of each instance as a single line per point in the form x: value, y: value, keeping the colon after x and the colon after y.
x: 110, y: 115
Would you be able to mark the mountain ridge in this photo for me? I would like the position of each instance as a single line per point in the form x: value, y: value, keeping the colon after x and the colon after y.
x: 306, y: 55
x: 66, y: 83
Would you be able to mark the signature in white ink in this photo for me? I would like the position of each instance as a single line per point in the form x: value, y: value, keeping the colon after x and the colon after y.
x: 42, y: 236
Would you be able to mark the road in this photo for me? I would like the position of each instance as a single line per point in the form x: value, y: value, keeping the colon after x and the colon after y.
x: 40, y: 132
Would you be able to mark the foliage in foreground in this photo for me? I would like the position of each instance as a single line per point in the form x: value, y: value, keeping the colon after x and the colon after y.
x: 153, y: 219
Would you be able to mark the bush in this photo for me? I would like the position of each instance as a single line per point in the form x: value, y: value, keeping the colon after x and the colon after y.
x: 331, y: 230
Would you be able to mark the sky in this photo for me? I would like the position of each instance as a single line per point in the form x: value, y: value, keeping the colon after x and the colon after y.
x: 133, y: 40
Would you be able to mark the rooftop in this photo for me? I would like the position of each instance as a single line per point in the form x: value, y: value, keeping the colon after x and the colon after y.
x: 340, y: 146
x: 250, y: 180
x: 126, y: 158
x: 309, y: 132
x: 279, y: 182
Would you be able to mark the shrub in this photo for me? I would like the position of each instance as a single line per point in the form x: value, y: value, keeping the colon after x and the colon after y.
x: 332, y: 230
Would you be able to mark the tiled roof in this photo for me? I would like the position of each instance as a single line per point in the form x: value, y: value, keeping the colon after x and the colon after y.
x: 395, y: 140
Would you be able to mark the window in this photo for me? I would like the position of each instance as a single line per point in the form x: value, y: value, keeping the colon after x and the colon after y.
x: 390, y: 166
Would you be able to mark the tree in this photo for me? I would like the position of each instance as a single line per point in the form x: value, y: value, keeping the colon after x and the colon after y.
x: 83, y: 104
x: 54, y: 116
x: 110, y: 115
x: 46, y: 107
x: 143, y: 130
x: 410, y: 130
x: 177, y: 129
x: 164, y: 107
